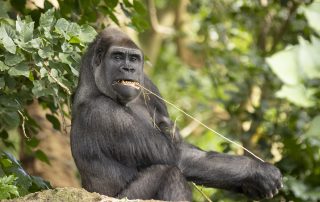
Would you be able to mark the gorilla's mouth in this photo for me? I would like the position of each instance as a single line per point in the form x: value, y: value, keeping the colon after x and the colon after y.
x: 131, y: 83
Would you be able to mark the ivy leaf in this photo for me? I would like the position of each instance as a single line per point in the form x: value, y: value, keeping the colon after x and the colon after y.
x: 42, y: 156
x: 3, y: 66
x: 47, y: 19
x: 87, y: 34
x: 62, y: 27
x: 39, y: 89
x: 73, y: 29
x: 46, y: 52
x: 13, y: 59
x: 11, y: 119
x: 33, y: 142
x: 24, y: 29
x: 54, y: 121
x: 7, y: 42
x: 21, y: 69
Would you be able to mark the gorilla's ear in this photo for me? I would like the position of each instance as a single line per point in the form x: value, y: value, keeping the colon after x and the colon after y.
x: 99, y: 52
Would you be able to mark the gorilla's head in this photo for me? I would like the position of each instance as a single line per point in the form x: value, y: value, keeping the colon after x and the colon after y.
x: 117, y: 66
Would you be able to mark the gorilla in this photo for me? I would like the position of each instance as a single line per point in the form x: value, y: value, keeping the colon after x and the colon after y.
x: 125, y: 145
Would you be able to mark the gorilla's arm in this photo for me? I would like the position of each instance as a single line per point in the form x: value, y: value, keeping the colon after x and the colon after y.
x: 236, y: 173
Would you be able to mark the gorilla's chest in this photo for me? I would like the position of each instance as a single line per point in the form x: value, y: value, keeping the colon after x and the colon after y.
x: 141, y: 114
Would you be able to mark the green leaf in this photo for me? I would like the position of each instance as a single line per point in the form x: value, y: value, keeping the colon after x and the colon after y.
x: 21, y: 69
x: 40, y: 183
x: 7, y: 41
x: 11, y: 119
x: 139, y: 22
x: 43, y: 72
x: 24, y: 29
x: 42, y: 156
x: 23, y: 179
x: 7, y: 187
x: 312, y: 13
x: 65, y: 58
x: 87, y: 34
x: 46, y: 52
x: 298, y: 95
x: 62, y: 28
x: 6, y: 162
x: 111, y: 3
x: 113, y: 17
x: 139, y: 7
x: 73, y: 29
x: 74, y: 40
x: 39, y: 89
x: 33, y: 142
x: 127, y: 3
x: 308, y: 58
x: 47, y: 19
x: 4, y: 134
x: 35, y: 43
x: 5, y: 6
x: 13, y: 59
x: 54, y: 121
x: 314, y: 129
x: 285, y: 65
x: 3, y: 66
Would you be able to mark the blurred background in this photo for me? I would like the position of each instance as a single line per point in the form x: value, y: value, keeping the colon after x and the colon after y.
x: 250, y: 69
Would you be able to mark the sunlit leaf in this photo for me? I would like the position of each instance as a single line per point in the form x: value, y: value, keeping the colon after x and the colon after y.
x: 285, y: 65
x: 308, y: 59
x: 3, y: 66
x: 312, y: 13
x: 87, y: 33
x: 298, y: 95
x: 314, y: 129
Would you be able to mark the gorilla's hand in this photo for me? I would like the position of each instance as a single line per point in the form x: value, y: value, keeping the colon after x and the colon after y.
x: 264, y: 181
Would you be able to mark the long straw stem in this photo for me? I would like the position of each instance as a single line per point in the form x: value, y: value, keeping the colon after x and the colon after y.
x: 198, y: 121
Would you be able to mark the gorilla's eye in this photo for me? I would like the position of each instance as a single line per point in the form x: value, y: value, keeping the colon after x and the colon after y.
x: 134, y: 58
x: 117, y: 56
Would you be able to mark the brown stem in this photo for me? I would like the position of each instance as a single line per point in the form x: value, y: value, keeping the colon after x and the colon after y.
x: 278, y: 36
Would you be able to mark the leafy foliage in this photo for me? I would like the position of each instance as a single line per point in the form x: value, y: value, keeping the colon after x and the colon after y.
x: 36, y: 63
x: 14, y: 181
x: 7, y: 189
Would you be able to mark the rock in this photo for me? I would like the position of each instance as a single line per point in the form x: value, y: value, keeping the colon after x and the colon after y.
x: 69, y: 194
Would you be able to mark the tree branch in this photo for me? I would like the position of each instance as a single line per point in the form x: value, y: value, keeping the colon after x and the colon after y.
x: 154, y: 20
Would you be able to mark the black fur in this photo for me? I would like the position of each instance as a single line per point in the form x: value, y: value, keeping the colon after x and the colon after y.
x: 124, y: 143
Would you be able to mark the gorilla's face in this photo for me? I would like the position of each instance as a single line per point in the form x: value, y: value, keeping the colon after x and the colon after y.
x: 123, y: 70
